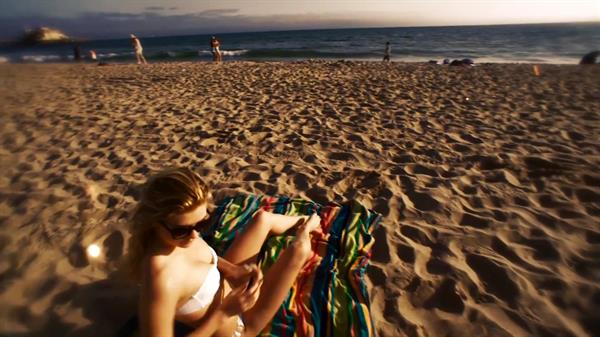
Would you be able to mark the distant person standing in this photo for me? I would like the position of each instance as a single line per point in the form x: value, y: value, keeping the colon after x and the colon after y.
x: 387, y: 52
x: 137, y: 46
x: 77, y: 53
x: 215, y: 44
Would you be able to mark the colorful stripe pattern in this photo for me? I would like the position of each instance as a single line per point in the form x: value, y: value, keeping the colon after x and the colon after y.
x: 329, y: 297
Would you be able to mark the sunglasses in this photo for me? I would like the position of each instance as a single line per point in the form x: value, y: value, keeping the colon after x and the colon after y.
x: 182, y: 232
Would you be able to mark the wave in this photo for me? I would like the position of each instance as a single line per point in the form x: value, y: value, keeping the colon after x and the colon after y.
x: 169, y: 54
x: 238, y: 52
x: 235, y: 52
x: 190, y: 53
x: 305, y: 53
x: 43, y: 58
x: 112, y: 55
x: 123, y: 56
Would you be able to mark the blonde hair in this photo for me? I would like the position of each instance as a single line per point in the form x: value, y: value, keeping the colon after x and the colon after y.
x: 172, y: 191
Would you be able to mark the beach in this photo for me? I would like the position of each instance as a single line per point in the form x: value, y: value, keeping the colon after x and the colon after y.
x: 487, y: 178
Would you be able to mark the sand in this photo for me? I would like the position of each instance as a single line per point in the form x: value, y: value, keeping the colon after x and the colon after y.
x: 487, y: 178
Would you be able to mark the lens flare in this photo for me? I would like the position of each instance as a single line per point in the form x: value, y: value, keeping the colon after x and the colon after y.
x: 93, y: 250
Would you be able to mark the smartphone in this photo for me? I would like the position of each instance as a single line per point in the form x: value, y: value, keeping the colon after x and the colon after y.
x: 250, y: 283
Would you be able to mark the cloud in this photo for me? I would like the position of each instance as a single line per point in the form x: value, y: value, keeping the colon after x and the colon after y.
x: 113, y: 16
x: 160, y: 8
x: 115, y: 24
x: 218, y: 12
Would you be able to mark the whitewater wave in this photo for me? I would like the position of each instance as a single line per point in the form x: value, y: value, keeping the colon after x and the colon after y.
x: 234, y: 52
x: 304, y: 53
x: 113, y: 55
x: 4, y: 59
x: 42, y: 58
x: 224, y: 52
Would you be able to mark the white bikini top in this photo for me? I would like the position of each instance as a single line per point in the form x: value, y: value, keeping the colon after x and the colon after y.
x: 205, y: 295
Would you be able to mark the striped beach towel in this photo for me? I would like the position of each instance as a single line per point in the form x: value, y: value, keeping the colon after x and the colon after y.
x: 329, y: 297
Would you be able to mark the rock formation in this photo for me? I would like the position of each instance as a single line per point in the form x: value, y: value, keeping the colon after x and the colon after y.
x: 44, y: 35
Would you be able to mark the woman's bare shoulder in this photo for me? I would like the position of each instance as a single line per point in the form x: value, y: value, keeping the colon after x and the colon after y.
x: 159, y: 271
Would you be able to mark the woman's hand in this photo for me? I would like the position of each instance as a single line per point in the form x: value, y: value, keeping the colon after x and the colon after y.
x: 244, y: 296
x: 241, y: 275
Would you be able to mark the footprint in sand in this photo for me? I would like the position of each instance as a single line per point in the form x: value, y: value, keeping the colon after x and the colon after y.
x: 416, y: 235
x: 539, y: 167
x: 251, y: 176
x: 44, y: 289
x: 301, y: 181
x: 446, y: 298
x: 403, y: 158
x: 77, y: 256
x: 318, y: 195
x: 468, y: 138
x: 344, y: 156
x: 572, y: 135
x: 502, y: 248
x: 376, y: 275
x: 113, y: 245
x: 591, y: 180
x: 406, y: 253
x: 437, y: 266
x: 370, y: 180
x: 420, y: 201
x: 587, y: 195
x: 543, y: 249
x: 108, y: 200
x: 590, y: 236
x: 489, y: 163
x: 381, y: 251
x: 461, y: 148
x: 495, y: 279
x: 565, y: 213
x: 474, y: 221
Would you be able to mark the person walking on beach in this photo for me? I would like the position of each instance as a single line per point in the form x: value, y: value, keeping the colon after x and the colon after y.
x: 182, y: 278
x: 137, y: 47
x: 387, y: 52
x: 215, y: 44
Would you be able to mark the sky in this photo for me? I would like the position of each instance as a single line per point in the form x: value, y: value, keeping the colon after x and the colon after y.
x: 116, y: 18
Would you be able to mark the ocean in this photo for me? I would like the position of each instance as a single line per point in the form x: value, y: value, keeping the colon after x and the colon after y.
x: 533, y: 43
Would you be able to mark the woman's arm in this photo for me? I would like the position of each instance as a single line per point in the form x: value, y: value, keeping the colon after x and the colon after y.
x: 229, y: 269
x: 156, y: 308
x: 239, y: 275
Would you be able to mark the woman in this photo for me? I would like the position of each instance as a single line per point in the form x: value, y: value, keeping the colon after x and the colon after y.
x: 137, y: 48
x: 215, y: 44
x: 183, y: 279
